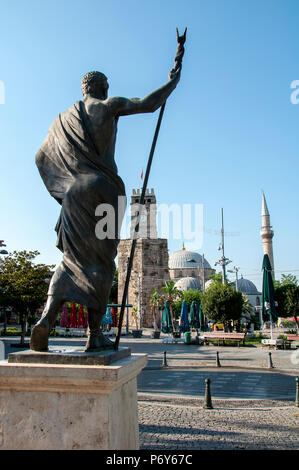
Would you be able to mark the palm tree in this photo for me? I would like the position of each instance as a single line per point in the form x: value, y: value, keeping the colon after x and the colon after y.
x: 171, y: 293
x: 155, y: 301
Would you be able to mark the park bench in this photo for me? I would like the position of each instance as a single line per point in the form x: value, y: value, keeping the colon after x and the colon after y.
x: 290, y: 339
x: 222, y: 336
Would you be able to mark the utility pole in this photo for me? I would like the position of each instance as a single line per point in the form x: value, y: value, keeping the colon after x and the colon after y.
x: 139, y: 297
x: 235, y: 270
x: 223, y: 261
x: 203, y: 272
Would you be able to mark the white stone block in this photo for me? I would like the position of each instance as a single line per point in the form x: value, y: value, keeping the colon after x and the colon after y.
x: 68, y: 407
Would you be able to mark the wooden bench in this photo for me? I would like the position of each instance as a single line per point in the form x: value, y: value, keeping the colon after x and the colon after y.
x: 221, y: 336
x: 290, y: 339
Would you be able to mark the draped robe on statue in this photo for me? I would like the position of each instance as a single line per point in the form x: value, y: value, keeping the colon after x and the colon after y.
x: 77, y: 176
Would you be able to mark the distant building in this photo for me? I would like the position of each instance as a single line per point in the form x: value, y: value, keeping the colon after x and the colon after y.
x: 152, y: 266
x: 249, y: 289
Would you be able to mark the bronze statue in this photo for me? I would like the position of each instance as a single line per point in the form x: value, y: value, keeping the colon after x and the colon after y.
x: 76, y: 163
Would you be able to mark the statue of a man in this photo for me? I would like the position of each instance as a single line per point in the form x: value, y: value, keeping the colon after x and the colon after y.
x: 76, y: 162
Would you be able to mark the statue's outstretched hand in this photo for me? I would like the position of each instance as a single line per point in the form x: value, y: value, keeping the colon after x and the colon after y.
x: 181, y: 39
x: 175, y: 72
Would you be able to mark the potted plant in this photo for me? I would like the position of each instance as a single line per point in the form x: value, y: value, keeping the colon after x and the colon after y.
x: 137, y: 333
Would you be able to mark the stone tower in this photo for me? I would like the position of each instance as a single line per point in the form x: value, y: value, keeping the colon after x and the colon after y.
x: 150, y: 265
x: 148, y: 219
x: 267, y: 233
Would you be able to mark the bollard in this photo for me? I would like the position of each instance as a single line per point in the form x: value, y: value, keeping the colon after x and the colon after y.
x: 297, y: 392
x: 164, y: 360
x: 270, y: 361
x: 208, y: 400
x: 217, y: 360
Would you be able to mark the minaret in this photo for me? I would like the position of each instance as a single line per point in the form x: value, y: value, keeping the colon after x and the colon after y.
x: 267, y: 232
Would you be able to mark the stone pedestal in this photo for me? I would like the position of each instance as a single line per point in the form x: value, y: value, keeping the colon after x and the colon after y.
x: 69, y: 406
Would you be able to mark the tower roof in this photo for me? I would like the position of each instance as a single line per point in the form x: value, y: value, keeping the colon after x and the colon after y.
x: 265, y: 210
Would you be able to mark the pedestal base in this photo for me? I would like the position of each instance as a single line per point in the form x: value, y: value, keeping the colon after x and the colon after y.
x: 68, y: 407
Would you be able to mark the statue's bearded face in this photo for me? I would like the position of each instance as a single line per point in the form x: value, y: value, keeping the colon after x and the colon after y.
x: 95, y: 84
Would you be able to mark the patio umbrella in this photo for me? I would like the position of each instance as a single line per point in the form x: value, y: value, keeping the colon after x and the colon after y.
x: 201, y: 318
x: 107, y: 318
x: 184, y: 321
x: 64, y: 321
x: 268, y: 302
x: 73, y: 319
x: 166, y: 319
x: 81, y: 319
x: 194, y: 315
x: 114, y: 315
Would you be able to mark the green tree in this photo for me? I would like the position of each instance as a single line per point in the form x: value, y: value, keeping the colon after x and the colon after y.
x: 222, y: 303
x: 216, y: 277
x: 287, y: 297
x: 23, y: 284
x: 189, y: 296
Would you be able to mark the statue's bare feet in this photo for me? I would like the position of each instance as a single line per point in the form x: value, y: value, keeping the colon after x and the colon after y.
x: 39, y: 336
x: 98, y: 342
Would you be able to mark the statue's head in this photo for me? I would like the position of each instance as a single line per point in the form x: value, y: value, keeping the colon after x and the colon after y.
x: 95, y: 84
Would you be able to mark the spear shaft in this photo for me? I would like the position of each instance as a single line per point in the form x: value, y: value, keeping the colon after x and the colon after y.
x: 133, y: 246
x: 178, y: 61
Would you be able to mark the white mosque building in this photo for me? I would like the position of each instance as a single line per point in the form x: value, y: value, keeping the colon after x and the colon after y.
x: 189, y: 269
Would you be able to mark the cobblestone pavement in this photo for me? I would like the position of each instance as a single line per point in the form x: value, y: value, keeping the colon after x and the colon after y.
x: 231, y: 425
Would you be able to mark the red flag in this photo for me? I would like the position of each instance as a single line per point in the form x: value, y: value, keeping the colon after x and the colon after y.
x: 142, y: 174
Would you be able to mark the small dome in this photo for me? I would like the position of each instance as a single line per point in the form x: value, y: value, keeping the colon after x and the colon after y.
x: 246, y: 287
x: 209, y: 283
x: 186, y: 283
x: 186, y: 259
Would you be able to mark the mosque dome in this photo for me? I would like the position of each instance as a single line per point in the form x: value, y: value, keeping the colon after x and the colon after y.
x: 186, y: 259
x: 209, y: 283
x: 246, y: 287
x: 186, y: 283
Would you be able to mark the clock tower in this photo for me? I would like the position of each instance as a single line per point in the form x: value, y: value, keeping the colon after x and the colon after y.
x: 150, y: 264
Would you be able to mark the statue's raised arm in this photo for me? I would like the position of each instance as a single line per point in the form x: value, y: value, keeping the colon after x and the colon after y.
x: 125, y: 106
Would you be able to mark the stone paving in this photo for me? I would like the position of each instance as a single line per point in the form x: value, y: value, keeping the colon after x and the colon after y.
x: 254, y: 406
x: 229, y: 426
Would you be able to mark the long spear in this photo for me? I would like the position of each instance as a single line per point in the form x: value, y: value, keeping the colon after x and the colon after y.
x: 177, y: 64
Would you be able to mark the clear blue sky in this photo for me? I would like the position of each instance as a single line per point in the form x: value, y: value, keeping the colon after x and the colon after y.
x: 229, y: 128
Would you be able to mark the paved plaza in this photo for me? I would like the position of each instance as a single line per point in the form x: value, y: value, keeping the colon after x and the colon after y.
x: 253, y: 405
